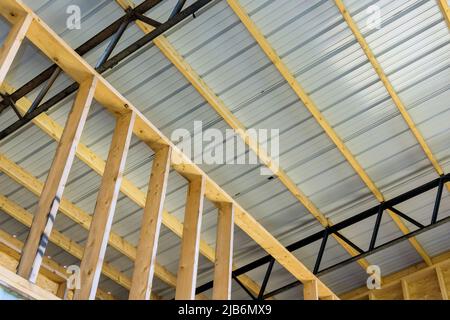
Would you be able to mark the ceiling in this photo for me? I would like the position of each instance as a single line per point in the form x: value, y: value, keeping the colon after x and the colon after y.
x: 313, y: 40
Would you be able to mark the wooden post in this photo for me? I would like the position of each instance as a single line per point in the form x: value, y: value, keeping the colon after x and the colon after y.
x: 442, y: 285
x: 12, y: 43
x: 94, y: 252
x: 187, y: 270
x: 144, y: 266
x: 405, y: 290
x: 49, y: 201
x: 224, y: 252
x: 310, y: 290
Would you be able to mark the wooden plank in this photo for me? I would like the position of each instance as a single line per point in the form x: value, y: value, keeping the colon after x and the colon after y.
x: 442, y: 284
x: 224, y: 252
x: 24, y: 287
x: 150, y: 227
x: 12, y: 43
x: 97, y: 241
x: 188, y: 263
x: 54, y: 185
x: 310, y: 290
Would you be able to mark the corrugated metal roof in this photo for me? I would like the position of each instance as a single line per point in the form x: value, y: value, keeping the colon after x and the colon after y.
x: 313, y: 40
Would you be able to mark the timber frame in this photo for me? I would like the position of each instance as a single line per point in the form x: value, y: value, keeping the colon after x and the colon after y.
x: 74, y: 66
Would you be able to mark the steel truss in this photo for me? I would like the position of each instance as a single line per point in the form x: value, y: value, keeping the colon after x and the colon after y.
x: 113, y: 32
x: 335, y: 229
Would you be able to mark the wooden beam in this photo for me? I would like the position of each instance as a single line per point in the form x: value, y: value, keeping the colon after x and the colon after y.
x: 320, y: 119
x: 54, y: 185
x: 150, y: 227
x: 92, y: 261
x: 187, y: 270
x: 224, y: 252
x: 442, y: 284
x: 387, y: 84
x: 445, y: 9
x: 310, y: 290
x: 11, y: 45
x: 21, y: 215
x: 24, y: 287
x: 76, y: 67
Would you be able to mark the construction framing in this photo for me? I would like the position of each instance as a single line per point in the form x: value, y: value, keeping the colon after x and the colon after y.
x: 74, y: 66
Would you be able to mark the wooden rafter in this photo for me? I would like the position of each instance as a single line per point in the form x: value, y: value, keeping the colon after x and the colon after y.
x: 320, y: 119
x: 100, y: 228
x: 49, y: 201
x: 389, y: 87
x: 71, y: 63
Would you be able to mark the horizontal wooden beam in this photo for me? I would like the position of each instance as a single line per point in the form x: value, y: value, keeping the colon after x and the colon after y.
x: 75, y: 66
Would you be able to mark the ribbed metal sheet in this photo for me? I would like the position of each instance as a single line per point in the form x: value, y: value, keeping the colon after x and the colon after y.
x: 412, y: 46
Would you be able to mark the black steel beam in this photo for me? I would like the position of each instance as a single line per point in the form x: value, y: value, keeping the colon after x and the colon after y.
x: 350, y: 243
x: 376, y: 228
x: 266, y: 279
x: 321, y: 251
x: 407, y: 218
x: 337, y: 227
x: 437, y: 203
x: 81, y: 50
x: 107, y: 65
x: 363, y: 255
